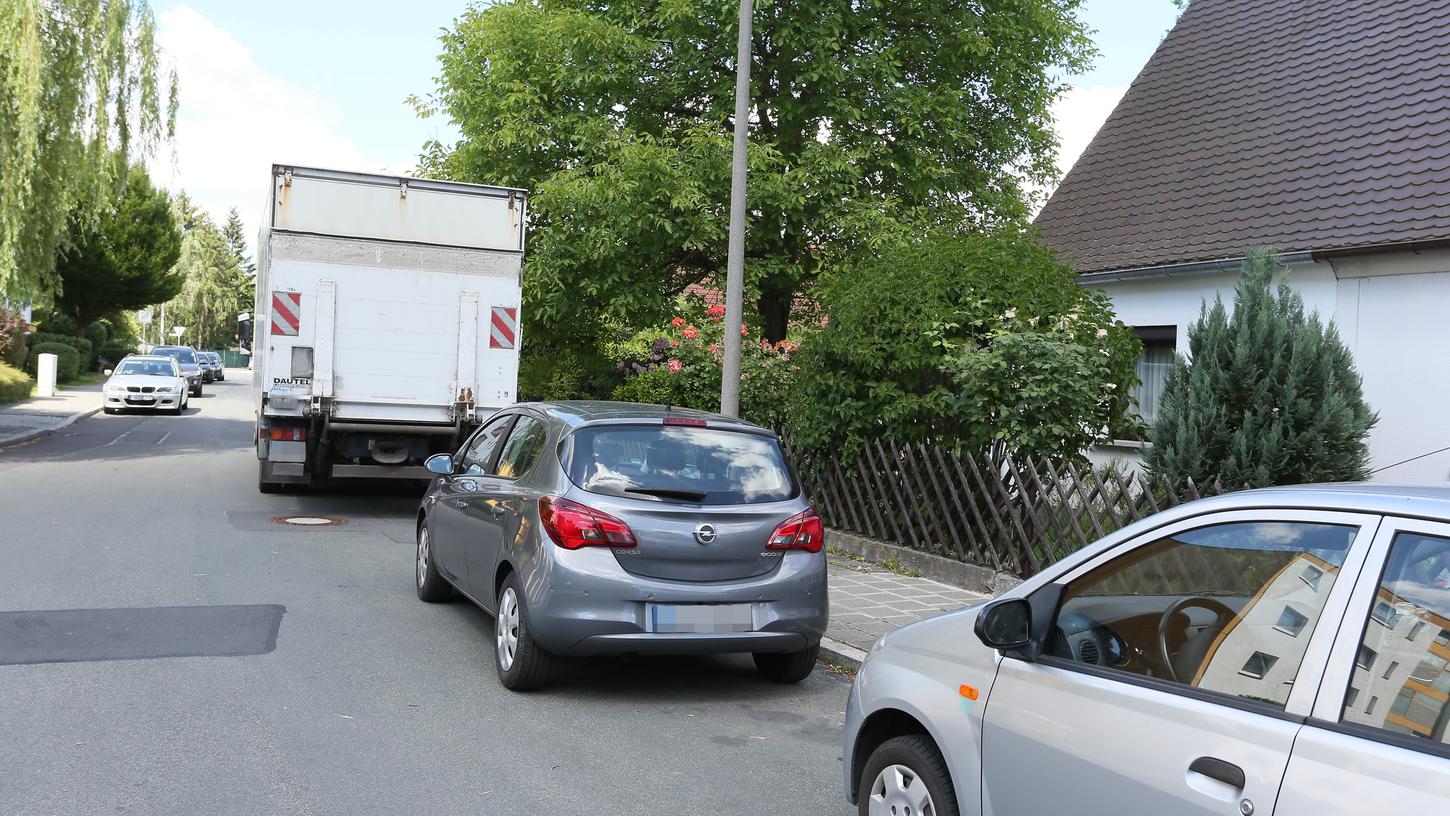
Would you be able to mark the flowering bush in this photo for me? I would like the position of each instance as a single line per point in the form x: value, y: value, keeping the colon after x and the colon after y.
x: 682, y: 364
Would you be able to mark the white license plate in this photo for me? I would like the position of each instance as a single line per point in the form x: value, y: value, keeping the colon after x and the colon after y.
x: 699, y: 618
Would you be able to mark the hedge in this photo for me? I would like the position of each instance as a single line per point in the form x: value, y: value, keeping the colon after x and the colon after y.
x: 14, y: 384
x: 83, y: 347
x: 114, y: 353
x: 67, y: 367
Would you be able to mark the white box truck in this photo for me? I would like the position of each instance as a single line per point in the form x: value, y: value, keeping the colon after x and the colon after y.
x: 386, y: 324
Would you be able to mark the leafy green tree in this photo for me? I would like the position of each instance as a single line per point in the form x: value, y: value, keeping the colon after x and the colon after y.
x: 870, y: 119
x: 981, y: 340
x: 207, y: 303
x: 79, y: 94
x: 1266, y: 395
x: 236, y: 235
x: 125, y: 261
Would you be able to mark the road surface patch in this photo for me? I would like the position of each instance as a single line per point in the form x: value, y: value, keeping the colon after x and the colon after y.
x: 84, y: 635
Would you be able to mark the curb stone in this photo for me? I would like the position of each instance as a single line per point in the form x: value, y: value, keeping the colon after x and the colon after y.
x: 26, y: 436
x: 841, y: 655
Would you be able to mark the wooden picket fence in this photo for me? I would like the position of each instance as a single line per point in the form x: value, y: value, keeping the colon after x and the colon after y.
x: 1013, y: 516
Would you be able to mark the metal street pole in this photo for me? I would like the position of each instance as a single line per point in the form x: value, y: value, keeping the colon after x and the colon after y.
x: 735, y: 263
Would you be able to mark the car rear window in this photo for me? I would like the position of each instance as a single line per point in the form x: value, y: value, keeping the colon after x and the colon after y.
x: 182, y: 354
x: 710, y: 465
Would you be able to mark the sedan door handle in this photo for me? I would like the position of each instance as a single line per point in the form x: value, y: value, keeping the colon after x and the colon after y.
x: 498, y: 510
x: 1214, y: 768
x: 460, y: 504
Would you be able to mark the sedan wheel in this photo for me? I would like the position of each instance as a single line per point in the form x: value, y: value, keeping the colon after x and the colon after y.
x: 522, y: 664
x: 431, y: 586
x: 906, y: 776
x: 506, y: 628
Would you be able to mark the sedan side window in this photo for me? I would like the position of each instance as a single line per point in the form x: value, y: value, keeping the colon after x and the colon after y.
x: 478, y: 452
x: 523, y: 448
x: 1227, y: 608
x: 1405, y: 686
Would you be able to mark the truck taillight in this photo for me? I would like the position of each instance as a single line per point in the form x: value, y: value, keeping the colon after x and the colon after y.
x: 289, y: 434
x: 803, y: 531
x: 572, y: 525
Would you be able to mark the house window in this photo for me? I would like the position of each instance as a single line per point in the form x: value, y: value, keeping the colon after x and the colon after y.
x: 1351, y: 697
x: 1415, y: 630
x: 1160, y: 349
x: 1366, y: 658
x: 1369, y: 709
x: 1385, y: 613
x: 1291, y: 622
x: 1311, y: 576
x: 1394, y: 664
x: 1258, y: 665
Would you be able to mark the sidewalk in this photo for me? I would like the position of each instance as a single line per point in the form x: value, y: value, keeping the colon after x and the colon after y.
x: 868, y: 600
x: 37, y: 416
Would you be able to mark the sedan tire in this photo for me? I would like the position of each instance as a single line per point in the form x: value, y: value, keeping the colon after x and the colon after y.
x: 906, y: 775
x: 522, y: 664
x: 431, y: 586
x: 787, y: 667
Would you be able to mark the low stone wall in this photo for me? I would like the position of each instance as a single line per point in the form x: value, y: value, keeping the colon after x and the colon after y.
x: 946, y: 570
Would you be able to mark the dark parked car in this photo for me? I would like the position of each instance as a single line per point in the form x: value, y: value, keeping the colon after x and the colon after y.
x: 191, y: 365
x: 597, y: 527
x: 214, y: 364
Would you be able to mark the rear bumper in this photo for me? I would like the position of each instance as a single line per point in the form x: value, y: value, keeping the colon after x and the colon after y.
x: 583, y: 603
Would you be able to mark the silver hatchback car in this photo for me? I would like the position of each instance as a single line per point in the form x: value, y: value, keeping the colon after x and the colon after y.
x: 1280, y: 652
x: 590, y: 528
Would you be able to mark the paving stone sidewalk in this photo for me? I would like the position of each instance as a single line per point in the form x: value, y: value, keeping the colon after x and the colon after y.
x: 868, y: 600
x: 36, y: 416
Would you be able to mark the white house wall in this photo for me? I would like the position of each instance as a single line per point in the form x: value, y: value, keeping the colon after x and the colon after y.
x: 1393, y: 311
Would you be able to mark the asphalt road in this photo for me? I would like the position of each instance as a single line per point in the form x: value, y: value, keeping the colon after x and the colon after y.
x: 312, y: 680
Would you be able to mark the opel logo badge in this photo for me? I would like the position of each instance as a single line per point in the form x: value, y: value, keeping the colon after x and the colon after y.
x: 705, y: 533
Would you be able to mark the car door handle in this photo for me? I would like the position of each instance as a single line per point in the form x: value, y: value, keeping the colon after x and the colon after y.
x: 460, y: 505
x: 1214, y: 768
x: 498, y: 510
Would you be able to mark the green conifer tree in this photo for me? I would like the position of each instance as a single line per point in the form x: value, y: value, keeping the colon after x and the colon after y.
x: 1266, y: 396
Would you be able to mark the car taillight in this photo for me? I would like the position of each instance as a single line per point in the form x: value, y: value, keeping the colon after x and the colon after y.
x: 803, y: 531
x: 289, y: 434
x: 573, y: 525
x: 685, y: 422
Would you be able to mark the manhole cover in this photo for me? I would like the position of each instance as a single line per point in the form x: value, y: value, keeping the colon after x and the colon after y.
x: 308, y: 521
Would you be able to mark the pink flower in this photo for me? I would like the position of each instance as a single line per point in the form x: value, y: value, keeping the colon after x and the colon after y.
x: 716, y: 311
x: 690, y: 332
x: 674, y: 342
x: 715, y: 348
x: 675, y: 366
x: 744, y: 330
x: 764, y: 344
x: 677, y: 322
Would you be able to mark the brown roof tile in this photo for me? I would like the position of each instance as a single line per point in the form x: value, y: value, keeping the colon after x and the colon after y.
x: 1298, y: 124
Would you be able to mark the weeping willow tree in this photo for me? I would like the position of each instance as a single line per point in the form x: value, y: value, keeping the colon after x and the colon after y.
x: 80, y: 97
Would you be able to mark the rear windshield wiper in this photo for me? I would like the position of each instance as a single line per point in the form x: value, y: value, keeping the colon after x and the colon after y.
x: 669, y: 493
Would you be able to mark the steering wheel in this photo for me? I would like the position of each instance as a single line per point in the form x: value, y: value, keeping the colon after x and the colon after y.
x: 1222, y: 615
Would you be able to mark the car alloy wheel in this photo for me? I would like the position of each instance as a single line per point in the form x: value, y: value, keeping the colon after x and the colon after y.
x: 422, y: 557
x: 899, y: 791
x: 506, y: 626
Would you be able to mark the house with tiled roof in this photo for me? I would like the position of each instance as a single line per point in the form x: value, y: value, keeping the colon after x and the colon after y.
x: 1319, y: 129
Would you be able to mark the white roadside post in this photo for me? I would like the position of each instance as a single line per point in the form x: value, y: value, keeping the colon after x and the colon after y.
x: 735, y: 262
x: 45, y: 366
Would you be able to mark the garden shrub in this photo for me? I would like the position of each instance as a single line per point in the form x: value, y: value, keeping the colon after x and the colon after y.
x: 86, y: 353
x: 15, y: 385
x: 67, y: 366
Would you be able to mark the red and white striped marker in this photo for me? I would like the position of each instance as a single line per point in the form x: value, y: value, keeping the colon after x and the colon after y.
x: 286, y: 313
x: 503, y: 328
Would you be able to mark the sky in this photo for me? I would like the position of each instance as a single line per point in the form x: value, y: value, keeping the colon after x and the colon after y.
x: 324, y: 83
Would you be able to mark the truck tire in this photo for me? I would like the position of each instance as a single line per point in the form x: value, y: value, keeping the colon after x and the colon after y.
x: 264, y: 486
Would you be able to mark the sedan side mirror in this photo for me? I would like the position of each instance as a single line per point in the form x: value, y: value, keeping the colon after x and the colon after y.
x: 440, y: 463
x: 1006, y: 624
x: 107, y: 372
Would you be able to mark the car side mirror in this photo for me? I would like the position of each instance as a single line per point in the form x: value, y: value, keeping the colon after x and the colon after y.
x: 107, y: 372
x: 1006, y: 624
x: 440, y: 463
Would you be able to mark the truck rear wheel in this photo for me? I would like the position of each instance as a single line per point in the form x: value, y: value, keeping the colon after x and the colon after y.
x: 264, y: 486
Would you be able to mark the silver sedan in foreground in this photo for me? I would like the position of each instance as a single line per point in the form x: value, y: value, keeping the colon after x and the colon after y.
x: 1282, y: 651
x: 592, y: 528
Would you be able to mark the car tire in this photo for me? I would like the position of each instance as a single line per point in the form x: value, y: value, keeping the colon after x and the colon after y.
x: 109, y: 410
x: 916, y: 761
x: 528, y: 666
x: 431, y: 586
x: 787, y: 667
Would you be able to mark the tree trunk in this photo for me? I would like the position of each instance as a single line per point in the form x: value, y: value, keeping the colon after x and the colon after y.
x: 775, y: 313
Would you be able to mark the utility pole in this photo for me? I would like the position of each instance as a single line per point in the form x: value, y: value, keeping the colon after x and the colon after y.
x: 735, y: 263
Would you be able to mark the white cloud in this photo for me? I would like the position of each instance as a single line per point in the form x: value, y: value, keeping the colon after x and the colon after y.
x: 237, y: 118
x: 1079, y: 113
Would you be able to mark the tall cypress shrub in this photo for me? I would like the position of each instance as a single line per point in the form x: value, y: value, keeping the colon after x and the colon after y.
x: 1266, y: 396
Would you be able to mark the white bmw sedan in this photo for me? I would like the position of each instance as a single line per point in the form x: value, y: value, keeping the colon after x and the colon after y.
x: 150, y: 382
x: 1280, y: 652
